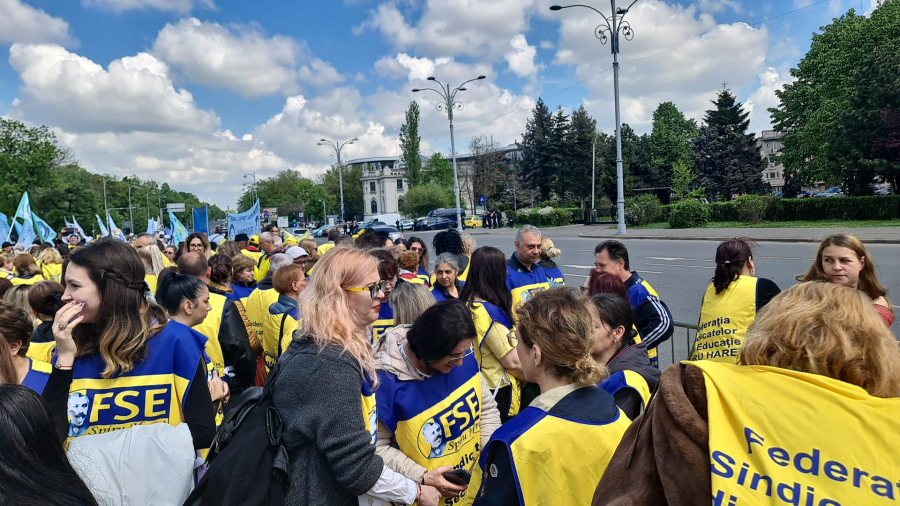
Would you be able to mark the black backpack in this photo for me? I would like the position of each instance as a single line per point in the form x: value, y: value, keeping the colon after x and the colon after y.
x: 248, y: 462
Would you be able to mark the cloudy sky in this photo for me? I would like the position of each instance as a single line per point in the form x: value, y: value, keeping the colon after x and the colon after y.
x: 197, y: 93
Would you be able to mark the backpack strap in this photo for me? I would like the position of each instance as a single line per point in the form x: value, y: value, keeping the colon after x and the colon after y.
x: 280, y: 333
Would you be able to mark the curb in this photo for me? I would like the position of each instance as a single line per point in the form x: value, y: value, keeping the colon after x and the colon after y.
x: 727, y: 238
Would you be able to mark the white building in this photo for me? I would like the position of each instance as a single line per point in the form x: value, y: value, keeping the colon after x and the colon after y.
x: 769, y: 147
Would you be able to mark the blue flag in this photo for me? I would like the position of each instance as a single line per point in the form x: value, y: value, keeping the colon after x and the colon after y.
x: 201, y: 220
x: 103, y: 230
x: 78, y: 227
x: 179, y: 232
x: 4, y: 227
x: 151, y: 226
x: 114, y: 230
x: 25, y: 234
x: 44, y: 231
x: 26, y: 230
x: 246, y: 222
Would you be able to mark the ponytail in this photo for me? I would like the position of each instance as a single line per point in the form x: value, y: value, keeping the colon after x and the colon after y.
x: 173, y: 288
x: 731, y: 257
x: 588, y: 371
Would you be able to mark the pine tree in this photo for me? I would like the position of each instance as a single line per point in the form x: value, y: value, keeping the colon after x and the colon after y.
x: 409, y: 146
x: 559, y: 148
x: 725, y: 156
x: 536, y: 164
x: 582, y: 129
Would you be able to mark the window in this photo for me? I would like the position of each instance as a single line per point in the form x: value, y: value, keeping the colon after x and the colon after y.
x: 772, y: 175
x: 400, y: 204
x: 399, y: 184
x: 371, y: 186
x: 374, y: 205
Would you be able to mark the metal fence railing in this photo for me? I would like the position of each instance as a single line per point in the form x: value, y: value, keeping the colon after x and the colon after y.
x: 679, y: 347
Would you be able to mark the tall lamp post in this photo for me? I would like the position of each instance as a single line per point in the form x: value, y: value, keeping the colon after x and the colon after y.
x: 253, y: 188
x: 324, y: 212
x: 449, y: 103
x: 338, y: 148
x: 611, y: 27
x: 105, y: 204
x: 130, y: 208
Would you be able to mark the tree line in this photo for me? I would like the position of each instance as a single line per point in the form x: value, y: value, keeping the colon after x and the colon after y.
x: 31, y: 160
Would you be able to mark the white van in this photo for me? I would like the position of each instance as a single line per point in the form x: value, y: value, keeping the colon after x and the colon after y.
x: 387, y: 218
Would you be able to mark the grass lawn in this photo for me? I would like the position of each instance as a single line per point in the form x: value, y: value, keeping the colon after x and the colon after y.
x: 785, y: 224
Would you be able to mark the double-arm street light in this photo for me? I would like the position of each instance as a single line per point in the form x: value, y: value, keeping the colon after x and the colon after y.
x: 338, y: 148
x: 253, y: 185
x: 610, y: 29
x: 130, y: 208
x: 449, y: 103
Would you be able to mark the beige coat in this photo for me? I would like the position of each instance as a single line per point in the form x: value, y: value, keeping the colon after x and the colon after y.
x: 388, y: 358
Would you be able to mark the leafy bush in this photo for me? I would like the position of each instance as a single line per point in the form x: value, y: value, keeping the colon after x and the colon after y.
x: 811, y: 209
x: 643, y: 210
x: 545, y: 217
x: 689, y: 214
x: 752, y: 208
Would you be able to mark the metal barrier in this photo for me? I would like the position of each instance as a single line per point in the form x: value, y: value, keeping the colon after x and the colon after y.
x: 677, y: 353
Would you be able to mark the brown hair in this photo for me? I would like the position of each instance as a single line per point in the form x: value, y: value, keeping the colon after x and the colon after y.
x: 241, y: 262
x: 7, y: 367
x: 207, y: 249
x: 125, y: 319
x: 560, y: 322
x: 229, y: 248
x: 827, y: 329
x: 285, y: 277
x: 604, y: 282
x: 220, y: 269
x: 26, y: 263
x: 409, y: 261
x: 868, y: 281
x: 731, y: 257
x: 16, y: 325
x: 44, y: 297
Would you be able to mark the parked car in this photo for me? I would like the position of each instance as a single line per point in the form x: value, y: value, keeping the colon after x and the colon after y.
x: 438, y: 224
x: 407, y: 224
x: 883, y: 191
x: 472, y: 222
x: 420, y: 223
x: 300, y: 233
x: 393, y: 232
x: 834, y: 191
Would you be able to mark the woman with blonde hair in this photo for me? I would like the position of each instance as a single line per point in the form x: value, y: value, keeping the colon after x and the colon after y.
x: 564, y: 439
x: 310, y: 246
x: 51, y: 264
x: 409, y: 300
x: 27, y: 271
x: 843, y: 259
x: 153, y: 265
x: 7, y: 270
x: 548, y: 253
x: 327, y: 371
x: 816, y: 363
x: 228, y: 248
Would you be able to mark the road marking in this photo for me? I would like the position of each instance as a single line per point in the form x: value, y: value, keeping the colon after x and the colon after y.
x: 579, y: 266
x: 642, y: 271
x: 680, y: 265
x: 672, y: 259
x: 575, y: 275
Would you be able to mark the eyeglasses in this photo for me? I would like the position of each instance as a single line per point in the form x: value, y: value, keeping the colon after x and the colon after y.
x: 469, y: 353
x: 511, y: 337
x: 196, y: 245
x: 373, y: 290
x: 416, y: 249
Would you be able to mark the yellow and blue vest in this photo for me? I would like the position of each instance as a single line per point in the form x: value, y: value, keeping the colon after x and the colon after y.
x: 724, y: 320
x: 631, y: 380
x: 277, y: 338
x: 424, y: 276
x: 153, y: 392
x: 636, y: 295
x: 19, y: 280
x: 555, y: 276
x: 486, y: 316
x: 556, y: 459
x: 369, y: 408
x: 256, y: 305
x: 437, y: 421
x: 37, y: 375
x: 210, y: 327
x: 52, y: 272
x: 523, y: 285
x: 799, y: 437
x: 384, y: 322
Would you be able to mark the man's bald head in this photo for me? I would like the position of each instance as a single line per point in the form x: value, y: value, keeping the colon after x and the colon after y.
x: 194, y: 264
x: 144, y: 239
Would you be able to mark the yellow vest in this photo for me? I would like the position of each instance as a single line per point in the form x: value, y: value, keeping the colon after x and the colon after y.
x: 256, y: 305
x: 6, y: 275
x: 324, y: 248
x: 436, y: 422
x: 631, y: 380
x: 556, y: 461
x: 486, y: 316
x: 41, y: 352
x: 277, y: 338
x: 799, y: 437
x: 166, y: 262
x: 724, y: 320
x: 262, y: 267
x: 254, y: 255
x: 209, y: 327
x: 151, y: 281
x: 52, y: 272
x: 384, y: 322
x: 37, y: 278
x: 652, y: 354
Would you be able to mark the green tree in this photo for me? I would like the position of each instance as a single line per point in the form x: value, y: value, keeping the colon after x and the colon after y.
x: 28, y: 159
x: 635, y: 159
x: 409, y: 146
x: 582, y: 128
x: 827, y: 80
x: 670, y: 142
x: 353, y: 191
x: 537, y: 163
x: 559, y: 152
x: 425, y: 197
x: 683, y: 182
x: 439, y: 170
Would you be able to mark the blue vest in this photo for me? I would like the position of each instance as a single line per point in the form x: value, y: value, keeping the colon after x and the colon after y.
x: 37, y: 376
x: 384, y: 322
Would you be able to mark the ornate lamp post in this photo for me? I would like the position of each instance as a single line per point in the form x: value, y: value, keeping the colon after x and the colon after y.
x: 338, y: 148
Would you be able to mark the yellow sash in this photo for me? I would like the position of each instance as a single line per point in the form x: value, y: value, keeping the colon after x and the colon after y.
x: 209, y: 327
x: 724, y: 320
x: 30, y: 281
x: 274, y: 334
x: 778, y: 436
x: 486, y: 317
x: 52, y: 272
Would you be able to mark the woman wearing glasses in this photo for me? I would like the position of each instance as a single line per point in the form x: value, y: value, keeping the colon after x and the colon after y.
x: 434, y: 410
x: 324, y: 393
x: 418, y: 245
x: 389, y: 272
x: 197, y: 242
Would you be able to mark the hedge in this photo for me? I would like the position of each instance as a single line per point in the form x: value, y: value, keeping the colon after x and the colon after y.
x: 776, y: 209
x: 548, y: 217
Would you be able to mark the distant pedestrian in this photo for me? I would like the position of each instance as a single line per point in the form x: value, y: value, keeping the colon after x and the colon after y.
x: 398, y: 224
x: 612, y: 212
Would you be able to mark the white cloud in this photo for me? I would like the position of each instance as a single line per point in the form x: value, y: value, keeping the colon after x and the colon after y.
x: 478, y: 28
x: 70, y: 91
x: 719, y: 5
x: 546, y: 44
x: 764, y: 97
x: 320, y: 73
x: 521, y: 57
x: 20, y: 22
x: 177, y: 6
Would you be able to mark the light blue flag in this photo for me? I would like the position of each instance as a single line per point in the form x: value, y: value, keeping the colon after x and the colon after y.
x: 151, y: 226
x: 25, y: 234
x: 246, y: 222
x: 44, y: 231
x: 77, y: 226
x: 103, y: 230
x: 4, y: 227
x: 179, y: 232
x: 26, y: 231
x: 201, y: 221
x: 114, y: 230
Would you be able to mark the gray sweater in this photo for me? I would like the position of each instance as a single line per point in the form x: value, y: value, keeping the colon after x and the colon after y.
x: 318, y: 397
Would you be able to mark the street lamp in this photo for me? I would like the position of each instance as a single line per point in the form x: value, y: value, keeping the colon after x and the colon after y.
x: 324, y: 212
x: 449, y: 103
x: 105, y: 204
x: 338, y: 147
x: 131, y: 209
x: 253, y: 187
x: 611, y: 28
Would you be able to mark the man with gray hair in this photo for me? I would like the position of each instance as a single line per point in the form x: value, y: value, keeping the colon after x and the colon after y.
x: 523, y: 274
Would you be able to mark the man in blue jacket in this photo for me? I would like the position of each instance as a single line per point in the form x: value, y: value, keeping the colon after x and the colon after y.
x: 652, y: 317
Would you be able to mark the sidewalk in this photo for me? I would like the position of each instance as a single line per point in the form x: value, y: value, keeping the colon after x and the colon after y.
x: 874, y: 235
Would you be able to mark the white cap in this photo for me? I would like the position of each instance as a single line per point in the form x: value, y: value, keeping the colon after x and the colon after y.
x: 295, y: 252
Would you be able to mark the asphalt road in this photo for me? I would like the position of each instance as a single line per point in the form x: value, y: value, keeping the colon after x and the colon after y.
x: 681, y: 270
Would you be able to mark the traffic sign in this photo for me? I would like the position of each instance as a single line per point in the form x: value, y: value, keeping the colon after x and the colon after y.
x: 481, y: 199
x: 175, y: 208
x: 282, y: 221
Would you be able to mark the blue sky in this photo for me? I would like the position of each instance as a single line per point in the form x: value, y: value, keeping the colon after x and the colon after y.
x: 198, y: 92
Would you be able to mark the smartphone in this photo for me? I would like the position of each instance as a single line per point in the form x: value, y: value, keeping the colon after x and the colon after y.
x: 458, y: 477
